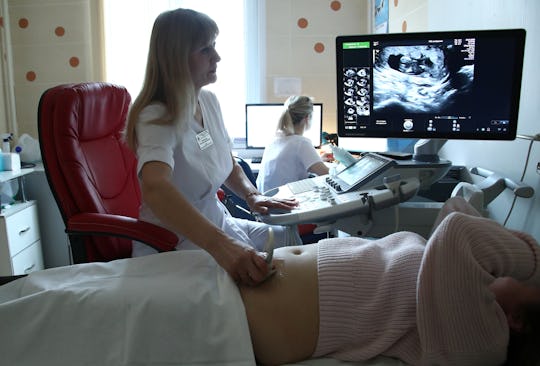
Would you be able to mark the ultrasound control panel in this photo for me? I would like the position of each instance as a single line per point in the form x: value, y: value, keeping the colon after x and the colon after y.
x: 319, y: 202
x: 365, y: 169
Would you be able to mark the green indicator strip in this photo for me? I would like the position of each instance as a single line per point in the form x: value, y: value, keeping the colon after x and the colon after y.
x: 352, y: 45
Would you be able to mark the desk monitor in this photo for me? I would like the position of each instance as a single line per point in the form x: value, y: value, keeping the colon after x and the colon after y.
x: 437, y: 85
x: 262, y: 120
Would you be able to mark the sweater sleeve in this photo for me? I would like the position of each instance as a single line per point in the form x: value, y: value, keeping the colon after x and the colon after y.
x: 458, y: 318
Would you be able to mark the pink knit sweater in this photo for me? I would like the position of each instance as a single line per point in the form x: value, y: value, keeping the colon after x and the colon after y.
x: 424, y: 303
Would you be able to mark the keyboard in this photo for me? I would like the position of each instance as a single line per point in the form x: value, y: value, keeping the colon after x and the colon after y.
x: 301, y: 186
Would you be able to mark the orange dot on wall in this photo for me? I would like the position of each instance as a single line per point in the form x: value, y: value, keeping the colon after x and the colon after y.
x: 30, y: 76
x: 23, y: 23
x: 319, y: 47
x: 74, y: 61
x: 302, y: 23
x: 404, y: 26
x: 335, y: 5
x: 59, y: 31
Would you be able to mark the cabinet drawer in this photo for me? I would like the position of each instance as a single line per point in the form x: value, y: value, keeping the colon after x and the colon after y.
x: 29, y: 260
x: 22, y: 229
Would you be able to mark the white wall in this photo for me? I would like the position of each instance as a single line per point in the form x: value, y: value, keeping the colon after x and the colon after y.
x: 503, y: 157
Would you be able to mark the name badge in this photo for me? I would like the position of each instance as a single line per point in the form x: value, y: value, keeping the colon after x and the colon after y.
x: 204, y: 140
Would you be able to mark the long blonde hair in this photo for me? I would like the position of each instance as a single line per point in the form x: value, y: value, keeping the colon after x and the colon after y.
x: 297, y: 107
x: 167, y: 80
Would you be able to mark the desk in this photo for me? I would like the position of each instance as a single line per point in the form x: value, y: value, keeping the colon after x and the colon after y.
x: 20, y: 240
x: 255, y: 167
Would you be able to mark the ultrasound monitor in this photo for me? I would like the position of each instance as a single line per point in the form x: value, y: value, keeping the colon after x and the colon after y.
x: 437, y: 85
x: 262, y: 120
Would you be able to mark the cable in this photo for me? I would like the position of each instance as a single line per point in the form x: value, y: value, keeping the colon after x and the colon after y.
x: 396, y: 213
x: 531, y: 139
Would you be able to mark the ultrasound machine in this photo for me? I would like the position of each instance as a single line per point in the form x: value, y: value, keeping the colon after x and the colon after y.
x: 428, y: 86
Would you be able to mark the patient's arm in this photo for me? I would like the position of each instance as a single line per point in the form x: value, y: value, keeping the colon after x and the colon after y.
x: 283, y: 312
x: 454, y: 204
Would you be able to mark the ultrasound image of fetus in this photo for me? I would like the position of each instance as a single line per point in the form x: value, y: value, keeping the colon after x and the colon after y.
x: 419, y: 79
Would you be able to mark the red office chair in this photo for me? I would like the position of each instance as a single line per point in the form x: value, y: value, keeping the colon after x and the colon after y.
x: 92, y: 173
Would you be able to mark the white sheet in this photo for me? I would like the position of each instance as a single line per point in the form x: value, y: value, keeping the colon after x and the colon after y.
x: 175, y: 308
x: 377, y: 361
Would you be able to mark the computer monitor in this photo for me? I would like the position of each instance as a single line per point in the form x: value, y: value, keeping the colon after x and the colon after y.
x: 262, y: 120
x: 436, y: 85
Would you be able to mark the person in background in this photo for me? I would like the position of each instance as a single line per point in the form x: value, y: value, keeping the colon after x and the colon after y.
x: 290, y: 156
x: 184, y: 152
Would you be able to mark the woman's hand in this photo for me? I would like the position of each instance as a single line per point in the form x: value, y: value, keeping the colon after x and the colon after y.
x: 327, y: 157
x: 243, y: 263
x: 261, y: 204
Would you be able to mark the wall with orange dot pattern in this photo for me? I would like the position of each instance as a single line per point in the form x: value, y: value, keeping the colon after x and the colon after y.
x: 57, y: 41
x: 408, y: 16
x: 300, y: 43
x: 53, y: 42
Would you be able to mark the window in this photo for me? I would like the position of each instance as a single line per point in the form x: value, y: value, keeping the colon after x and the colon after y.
x: 128, y: 24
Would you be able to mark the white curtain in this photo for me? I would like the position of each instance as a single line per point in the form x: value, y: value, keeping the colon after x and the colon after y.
x: 8, y: 117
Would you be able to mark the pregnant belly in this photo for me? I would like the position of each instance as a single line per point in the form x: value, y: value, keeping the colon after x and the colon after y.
x: 283, y: 312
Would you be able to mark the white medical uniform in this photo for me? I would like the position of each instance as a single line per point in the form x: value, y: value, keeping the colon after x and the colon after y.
x: 287, y: 159
x: 199, y: 169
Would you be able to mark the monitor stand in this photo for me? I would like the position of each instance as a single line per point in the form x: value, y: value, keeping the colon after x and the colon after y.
x: 427, y: 150
x: 425, y: 163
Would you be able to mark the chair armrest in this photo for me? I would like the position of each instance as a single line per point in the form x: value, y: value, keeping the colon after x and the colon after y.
x: 115, y: 225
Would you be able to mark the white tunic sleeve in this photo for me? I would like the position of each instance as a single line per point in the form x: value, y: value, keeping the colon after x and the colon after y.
x: 156, y: 142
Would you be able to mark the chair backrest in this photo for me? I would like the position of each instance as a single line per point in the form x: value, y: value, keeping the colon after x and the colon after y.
x: 236, y: 205
x: 247, y: 170
x: 89, y: 167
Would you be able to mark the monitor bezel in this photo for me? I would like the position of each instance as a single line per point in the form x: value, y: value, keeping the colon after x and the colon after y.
x: 517, y: 34
x: 248, y: 105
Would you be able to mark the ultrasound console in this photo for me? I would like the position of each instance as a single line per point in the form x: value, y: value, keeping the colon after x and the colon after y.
x: 374, y: 182
x: 432, y: 86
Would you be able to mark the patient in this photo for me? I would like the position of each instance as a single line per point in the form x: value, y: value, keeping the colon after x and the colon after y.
x: 469, y: 295
x: 457, y: 299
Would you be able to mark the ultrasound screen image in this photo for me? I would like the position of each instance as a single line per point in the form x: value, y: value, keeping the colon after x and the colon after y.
x: 421, y: 78
x: 437, y: 85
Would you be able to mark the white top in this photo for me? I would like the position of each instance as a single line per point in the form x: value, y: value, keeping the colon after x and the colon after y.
x: 198, y: 169
x: 287, y: 159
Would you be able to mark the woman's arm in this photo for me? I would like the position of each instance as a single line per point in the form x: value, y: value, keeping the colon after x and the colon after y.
x: 319, y: 168
x: 463, y: 257
x: 240, y: 260
x: 239, y: 183
x: 454, y: 204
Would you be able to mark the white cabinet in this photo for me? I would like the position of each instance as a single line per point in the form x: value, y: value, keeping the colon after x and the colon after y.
x: 20, y: 245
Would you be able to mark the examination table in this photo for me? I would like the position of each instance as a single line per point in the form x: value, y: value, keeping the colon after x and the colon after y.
x: 176, y: 308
